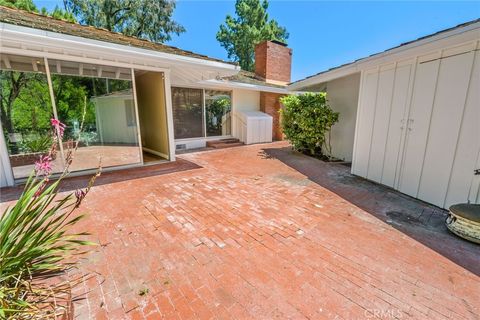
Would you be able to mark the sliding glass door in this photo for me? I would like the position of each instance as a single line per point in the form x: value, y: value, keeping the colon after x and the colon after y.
x: 218, y: 107
x: 99, y: 97
x: 188, y: 116
x: 109, y: 135
x: 26, y: 110
x: 199, y: 113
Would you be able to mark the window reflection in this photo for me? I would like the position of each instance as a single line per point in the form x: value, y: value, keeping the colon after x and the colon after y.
x: 109, y: 133
x: 26, y: 111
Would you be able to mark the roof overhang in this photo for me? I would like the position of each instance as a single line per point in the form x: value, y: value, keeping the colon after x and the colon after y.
x: 40, y: 43
x: 244, y: 86
x: 455, y: 36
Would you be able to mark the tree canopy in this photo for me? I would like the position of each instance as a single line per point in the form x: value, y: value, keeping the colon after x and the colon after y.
x: 239, y: 35
x: 28, y: 5
x: 146, y: 19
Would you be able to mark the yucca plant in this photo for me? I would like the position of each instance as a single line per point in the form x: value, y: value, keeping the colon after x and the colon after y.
x: 35, y: 241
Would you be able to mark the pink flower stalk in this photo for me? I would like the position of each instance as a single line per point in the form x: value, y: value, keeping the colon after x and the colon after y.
x: 41, y: 188
x: 44, y: 165
x: 59, y: 126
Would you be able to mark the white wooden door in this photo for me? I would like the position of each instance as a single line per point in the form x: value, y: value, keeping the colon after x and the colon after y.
x: 463, y: 183
x: 418, y: 124
x: 366, y: 114
x: 386, y: 78
x: 418, y: 127
x: 396, y: 125
x: 446, y: 120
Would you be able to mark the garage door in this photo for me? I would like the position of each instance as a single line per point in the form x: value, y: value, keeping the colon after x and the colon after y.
x: 418, y: 126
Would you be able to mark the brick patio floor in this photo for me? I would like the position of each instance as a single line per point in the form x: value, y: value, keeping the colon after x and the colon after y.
x: 246, y: 236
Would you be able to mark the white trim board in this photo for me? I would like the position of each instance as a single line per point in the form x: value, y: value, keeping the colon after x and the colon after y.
x: 241, y: 85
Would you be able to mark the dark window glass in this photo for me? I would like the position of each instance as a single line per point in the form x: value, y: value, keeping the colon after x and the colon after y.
x: 187, y: 113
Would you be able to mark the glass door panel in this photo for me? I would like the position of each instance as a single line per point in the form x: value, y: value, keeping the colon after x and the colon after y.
x: 26, y: 111
x: 188, y: 113
x: 218, y: 107
x: 110, y: 134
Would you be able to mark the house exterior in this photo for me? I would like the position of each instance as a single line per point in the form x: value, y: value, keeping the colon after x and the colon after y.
x: 143, y: 100
x: 410, y: 116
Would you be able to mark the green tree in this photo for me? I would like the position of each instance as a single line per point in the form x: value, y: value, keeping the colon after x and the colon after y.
x: 239, y: 35
x: 28, y: 5
x: 59, y: 13
x: 146, y: 19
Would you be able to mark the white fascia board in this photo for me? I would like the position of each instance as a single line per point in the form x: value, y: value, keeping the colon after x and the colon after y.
x: 90, y: 47
x: 445, y: 39
x: 241, y: 85
x: 325, y: 77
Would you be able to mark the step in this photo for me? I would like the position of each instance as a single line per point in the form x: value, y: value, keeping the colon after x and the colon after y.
x: 222, y: 141
x: 226, y: 145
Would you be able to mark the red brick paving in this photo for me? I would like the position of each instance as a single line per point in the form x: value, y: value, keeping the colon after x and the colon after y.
x: 248, y: 237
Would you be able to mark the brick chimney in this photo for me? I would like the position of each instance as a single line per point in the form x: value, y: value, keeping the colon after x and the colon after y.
x: 273, y: 62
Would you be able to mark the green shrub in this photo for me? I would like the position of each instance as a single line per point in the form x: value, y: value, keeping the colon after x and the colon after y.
x: 306, y: 121
x: 36, y: 144
x: 36, y: 242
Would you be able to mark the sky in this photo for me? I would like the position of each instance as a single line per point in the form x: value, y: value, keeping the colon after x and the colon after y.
x: 323, y: 34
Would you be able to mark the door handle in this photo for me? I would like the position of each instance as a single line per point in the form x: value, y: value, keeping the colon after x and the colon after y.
x: 476, y: 172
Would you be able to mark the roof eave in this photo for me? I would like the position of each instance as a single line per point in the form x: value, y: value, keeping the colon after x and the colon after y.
x: 430, y: 43
x: 244, y: 86
x: 43, y: 38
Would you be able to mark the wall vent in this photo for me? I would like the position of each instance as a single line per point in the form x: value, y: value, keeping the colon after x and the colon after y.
x: 182, y: 146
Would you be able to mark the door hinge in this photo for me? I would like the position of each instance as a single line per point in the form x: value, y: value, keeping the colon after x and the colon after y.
x: 476, y: 172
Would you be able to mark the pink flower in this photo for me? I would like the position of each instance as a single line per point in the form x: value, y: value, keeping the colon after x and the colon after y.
x: 59, y: 126
x: 44, y: 165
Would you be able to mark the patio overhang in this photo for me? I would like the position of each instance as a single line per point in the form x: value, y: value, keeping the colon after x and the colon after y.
x: 239, y: 85
x: 35, y: 42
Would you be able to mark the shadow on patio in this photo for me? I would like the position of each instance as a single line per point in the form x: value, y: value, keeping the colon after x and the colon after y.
x: 416, y: 219
x: 76, y: 182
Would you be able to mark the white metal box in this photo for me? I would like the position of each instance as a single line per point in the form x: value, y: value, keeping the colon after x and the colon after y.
x: 254, y: 127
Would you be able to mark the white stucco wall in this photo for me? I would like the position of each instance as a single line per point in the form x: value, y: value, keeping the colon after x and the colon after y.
x: 342, y: 95
x: 243, y: 100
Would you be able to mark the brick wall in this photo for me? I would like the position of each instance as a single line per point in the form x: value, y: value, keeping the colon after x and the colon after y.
x: 270, y: 104
x: 273, y: 62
